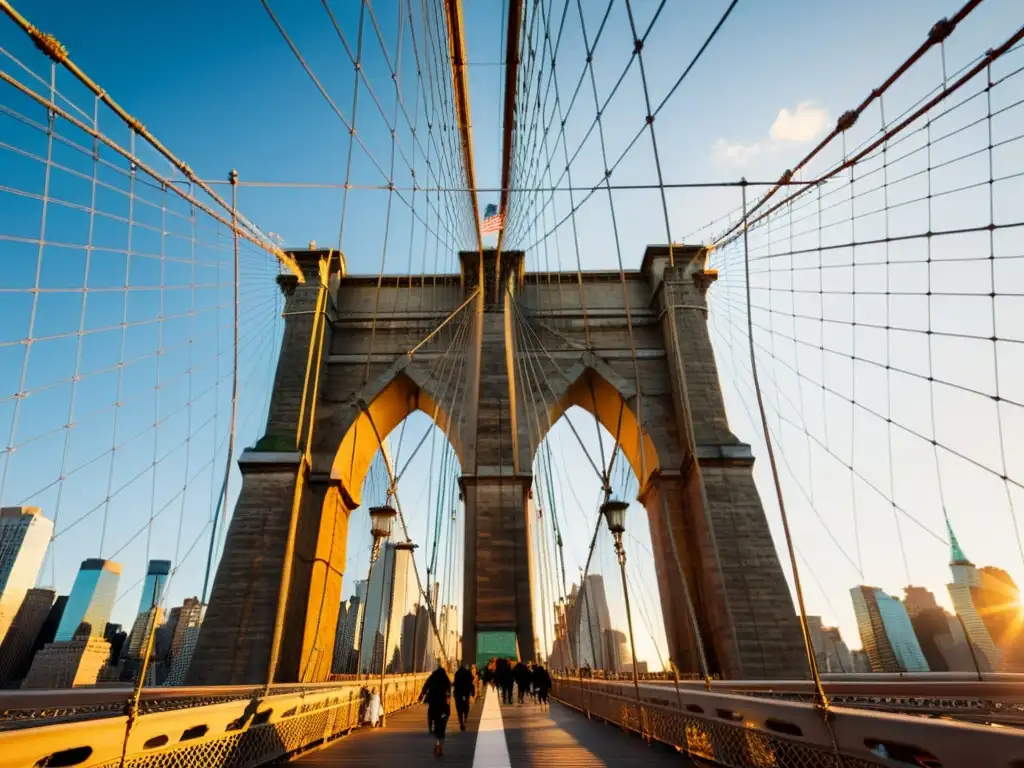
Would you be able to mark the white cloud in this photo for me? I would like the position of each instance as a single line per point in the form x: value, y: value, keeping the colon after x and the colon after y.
x: 735, y: 152
x: 806, y: 123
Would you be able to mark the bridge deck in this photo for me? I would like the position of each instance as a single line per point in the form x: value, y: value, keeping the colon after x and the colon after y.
x: 498, y: 735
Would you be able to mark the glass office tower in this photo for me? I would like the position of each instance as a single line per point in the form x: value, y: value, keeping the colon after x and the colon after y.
x: 156, y: 579
x: 91, y: 600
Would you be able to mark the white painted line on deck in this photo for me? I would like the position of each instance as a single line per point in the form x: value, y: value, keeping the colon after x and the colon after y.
x: 491, y: 749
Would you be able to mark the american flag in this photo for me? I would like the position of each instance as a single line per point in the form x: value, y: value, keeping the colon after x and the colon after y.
x: 493, y: 221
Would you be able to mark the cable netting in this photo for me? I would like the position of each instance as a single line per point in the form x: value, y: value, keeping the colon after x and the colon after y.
x: 880, y: 309
x: 129, y: 293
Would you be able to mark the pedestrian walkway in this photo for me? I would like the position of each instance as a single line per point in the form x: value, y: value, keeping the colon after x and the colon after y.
x: 498, y: 736
x: 561, y: 737
x: 404, y: 741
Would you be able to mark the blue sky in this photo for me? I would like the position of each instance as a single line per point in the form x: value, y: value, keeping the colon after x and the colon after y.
x: 218, y: 85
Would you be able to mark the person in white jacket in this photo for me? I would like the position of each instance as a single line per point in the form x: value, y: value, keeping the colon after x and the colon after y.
x: 372, y: 709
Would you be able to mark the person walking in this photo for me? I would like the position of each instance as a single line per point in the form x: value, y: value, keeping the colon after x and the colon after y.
x: 541, y: 684
x: 464, y: 688
x: 505, y: 678
x: 437, y: 693
x: 372, y: 708
x: 523, y: 679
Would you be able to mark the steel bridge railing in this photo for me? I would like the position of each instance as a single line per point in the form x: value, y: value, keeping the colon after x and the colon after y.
x: 999, y: 698
x: 740, y: 731
x: 214, y: 727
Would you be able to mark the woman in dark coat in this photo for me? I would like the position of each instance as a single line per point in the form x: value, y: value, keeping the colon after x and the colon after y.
x: 464, y: 687
x: 436, y: 692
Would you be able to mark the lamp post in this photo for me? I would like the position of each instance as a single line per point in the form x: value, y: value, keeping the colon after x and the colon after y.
x: 615, y: 515
x: 382, y: 520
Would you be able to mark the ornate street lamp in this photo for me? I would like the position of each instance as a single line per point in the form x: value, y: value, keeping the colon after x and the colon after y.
x: 615, y: 515
x: 382, y: 520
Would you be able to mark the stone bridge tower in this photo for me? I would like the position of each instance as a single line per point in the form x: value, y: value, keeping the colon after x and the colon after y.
x: 633, y: 350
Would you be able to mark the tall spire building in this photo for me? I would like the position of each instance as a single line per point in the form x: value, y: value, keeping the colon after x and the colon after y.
x: 965, y: 591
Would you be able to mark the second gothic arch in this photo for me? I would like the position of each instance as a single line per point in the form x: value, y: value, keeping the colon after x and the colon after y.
x: 595, y: 387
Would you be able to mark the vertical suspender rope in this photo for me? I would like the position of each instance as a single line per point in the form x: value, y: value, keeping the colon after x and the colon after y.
x: 821, y: 700
x: 536, y: 392
x: 222, y: 498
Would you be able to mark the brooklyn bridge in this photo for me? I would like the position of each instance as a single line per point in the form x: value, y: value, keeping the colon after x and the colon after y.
x: 660, y: 403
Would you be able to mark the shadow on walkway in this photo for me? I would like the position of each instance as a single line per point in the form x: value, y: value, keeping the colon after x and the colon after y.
x: 561, y: 737
x: 403, y: 742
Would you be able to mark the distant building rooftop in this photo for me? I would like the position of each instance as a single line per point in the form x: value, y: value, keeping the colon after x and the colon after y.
x: 19, y: 511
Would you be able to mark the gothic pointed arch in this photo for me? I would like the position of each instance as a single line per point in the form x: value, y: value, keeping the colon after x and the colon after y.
x: 593, y: 385
x: 406, y: 386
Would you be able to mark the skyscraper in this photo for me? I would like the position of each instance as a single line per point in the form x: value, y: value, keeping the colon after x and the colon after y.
x: 153, y: 589
x: 190, y: 617
x: 91, y: 600
x: 24, y: 536
x: 451, y: 631
x: 337, y: 663
x: 69, y: 663
x: 998, y: 600
x: 592, y: 619
x: 861, y: 662
x: 347, y: 645
x: 616, y: 651
x: 183, y: 640
x: 16, y: 651
x: 49, y: 628
x: 886, y: 632
x: 964, y: 591
x: 117, y: 637
x: 425, y: 649
x: 830, y: 651
x: 390, y: 596
x: 837, y: 654
x: 561, y: 650
x: 939, y: 634
x: 183, y: 657
x: 149, y: 614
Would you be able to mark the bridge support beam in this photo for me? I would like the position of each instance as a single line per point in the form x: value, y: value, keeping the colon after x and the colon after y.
x: 741, y: 598
x: 235, y: 643
x: 496, y: 484
x: 498, y: 563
